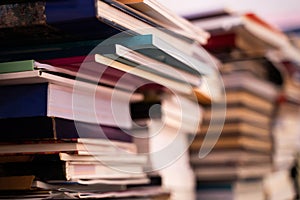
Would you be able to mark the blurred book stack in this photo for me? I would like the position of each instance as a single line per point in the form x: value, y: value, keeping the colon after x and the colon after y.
x: 244, y: 149
x: 69, y: 88
x: 247, y: 152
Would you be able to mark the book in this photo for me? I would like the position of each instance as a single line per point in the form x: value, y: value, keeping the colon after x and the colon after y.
x: 236, y: 128
x: 230, y: 157
x: 167, y: 83
x: 131, y: 57
x: 96, y: 170
x: 232, y: 172
x: 248, y: 99
x: 52, y: 169
x: 43, y: 128
x: 26, y: 65
x: 68, y: 15
x: 241, y: 142
x: 74, y: 186
x: 77, y: 67
x: 51, y: 22
x: 110, y: 158
x: 239, y: 190
x: 237, y: 113
x: 16, y: 183
x: 159, y: 12
x: 249, y: 82
x: 123, y: 21
x: 163, y: 50
x: 143, y: 193
x: 261, y: 67
x: 81, y: 146
x: 49, y: 99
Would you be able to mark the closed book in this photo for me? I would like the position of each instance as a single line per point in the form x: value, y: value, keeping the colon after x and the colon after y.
x: 49, y: 99
x: 81, y: 146
x: 42, y: 127
x: 50, y: 167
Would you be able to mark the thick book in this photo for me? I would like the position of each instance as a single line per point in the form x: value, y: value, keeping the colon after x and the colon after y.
x: 42, y: 127
x: 47, y: 167
x: 55, y: 99
x: 80, y: 146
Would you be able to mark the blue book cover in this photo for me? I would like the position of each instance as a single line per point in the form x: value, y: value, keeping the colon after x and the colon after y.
x: 23, y: 100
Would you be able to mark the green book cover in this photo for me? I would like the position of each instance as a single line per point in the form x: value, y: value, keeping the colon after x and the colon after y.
x: 16, y: 66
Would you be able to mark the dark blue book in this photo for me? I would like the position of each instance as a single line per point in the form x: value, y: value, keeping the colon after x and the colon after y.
x: 61, y: 101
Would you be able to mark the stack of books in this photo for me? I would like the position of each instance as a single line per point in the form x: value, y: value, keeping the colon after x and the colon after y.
x: 242, y: 158
x: 68, y: 82
x: 52, y: 144
x: 245, y: 139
